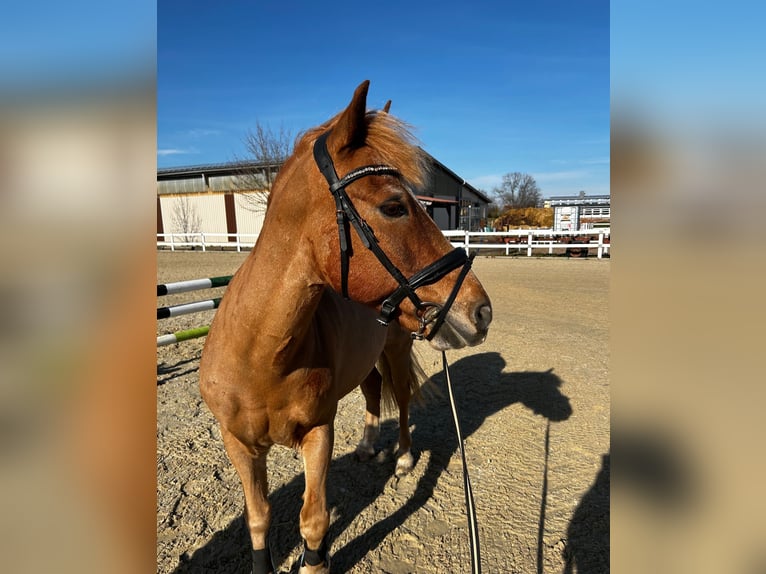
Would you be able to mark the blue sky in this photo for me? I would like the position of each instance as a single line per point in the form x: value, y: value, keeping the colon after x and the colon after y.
x: 490, y: 87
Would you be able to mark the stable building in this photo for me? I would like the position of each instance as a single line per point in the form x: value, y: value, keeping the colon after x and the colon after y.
x: 230, y: 198
x: 580, y: 212
x: 225, y: 199
x: 451, y: 201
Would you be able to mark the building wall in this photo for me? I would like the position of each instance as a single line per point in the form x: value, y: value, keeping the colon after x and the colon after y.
x: 566, y: 218
x: 580, y: 212
x: 208, y: 207
x: 249, y: 219
x: 227, y: 213
x: 579, y: 217
x: 443, y: 186
x: 441, y: 215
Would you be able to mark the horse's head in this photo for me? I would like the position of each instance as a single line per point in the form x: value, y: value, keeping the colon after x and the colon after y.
x: 361, y: 170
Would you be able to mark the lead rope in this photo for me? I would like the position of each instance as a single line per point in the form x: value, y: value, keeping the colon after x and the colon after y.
x: 473, y: 529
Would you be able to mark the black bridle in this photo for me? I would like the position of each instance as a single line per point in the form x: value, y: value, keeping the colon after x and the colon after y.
x: 345, y: 212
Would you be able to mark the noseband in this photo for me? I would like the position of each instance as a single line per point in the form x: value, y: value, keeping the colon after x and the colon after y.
x: 428, y: 313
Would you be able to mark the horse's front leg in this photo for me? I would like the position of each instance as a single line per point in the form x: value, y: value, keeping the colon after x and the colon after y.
x: 251, y: 467
x: 316, y: 448
x: 371, y: 389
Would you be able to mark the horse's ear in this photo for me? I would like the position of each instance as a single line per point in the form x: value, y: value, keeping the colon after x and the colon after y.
x: 387, y: 106
x: 351, y: 128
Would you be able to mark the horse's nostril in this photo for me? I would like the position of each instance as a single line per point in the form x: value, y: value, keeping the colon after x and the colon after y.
x: 483, y: 317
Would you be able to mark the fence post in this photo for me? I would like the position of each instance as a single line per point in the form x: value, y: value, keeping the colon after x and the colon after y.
x: 467, y: 241
x: 202, y: 235
x: 529, y: 244
x: 172, y: 242
x: 600, y: 244
x: 239, y: 244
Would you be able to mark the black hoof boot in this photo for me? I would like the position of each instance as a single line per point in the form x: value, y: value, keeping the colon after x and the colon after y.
x: 315, y: 557
x: 262, y: 563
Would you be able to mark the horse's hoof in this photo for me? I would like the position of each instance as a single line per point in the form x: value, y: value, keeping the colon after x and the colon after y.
x: 315, y: 561
x: 364, y: 453
x: 321, y: 569
x: 404, y: 464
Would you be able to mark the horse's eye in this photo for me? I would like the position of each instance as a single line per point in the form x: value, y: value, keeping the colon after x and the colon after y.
x: 393, y: 209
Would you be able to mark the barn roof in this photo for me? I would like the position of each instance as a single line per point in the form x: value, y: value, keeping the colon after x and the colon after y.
x: 480, y: 194
x: 234, y: 167
x: 237, y: 167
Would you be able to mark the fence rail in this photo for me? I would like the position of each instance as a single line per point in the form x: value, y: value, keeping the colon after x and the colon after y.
x: 206, y: 240
x: 516, y: 240
x: 192, y: 285
x: 530, y: 240
x: 504, y: 241
x: 187, y: 308
x: 180, y: 336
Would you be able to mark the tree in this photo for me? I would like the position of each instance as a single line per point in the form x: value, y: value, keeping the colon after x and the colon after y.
x: 186, y: 219
x: 494, y: 209
x: 517, y: 190
x: 268, y: 149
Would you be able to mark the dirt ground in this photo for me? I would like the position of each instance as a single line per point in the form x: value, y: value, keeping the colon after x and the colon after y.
x: 534, y: 408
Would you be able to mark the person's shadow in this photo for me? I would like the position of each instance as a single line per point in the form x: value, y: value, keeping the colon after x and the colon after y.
x: 587, y: 549
x: 481, y: 389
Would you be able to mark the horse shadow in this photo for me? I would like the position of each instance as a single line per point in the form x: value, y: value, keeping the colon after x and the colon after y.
x: 481, y: 389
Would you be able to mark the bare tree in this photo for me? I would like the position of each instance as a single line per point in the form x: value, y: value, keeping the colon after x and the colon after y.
x: 517, y: 190
x: 186, y: 219
x: 267, y: 151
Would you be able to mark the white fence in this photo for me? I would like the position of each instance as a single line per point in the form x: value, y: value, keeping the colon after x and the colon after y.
x: 529, y: 240
x: 205, y: 240
x: 503, y: 242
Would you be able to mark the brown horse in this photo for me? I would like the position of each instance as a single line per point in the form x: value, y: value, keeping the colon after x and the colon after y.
x: 300, y: 325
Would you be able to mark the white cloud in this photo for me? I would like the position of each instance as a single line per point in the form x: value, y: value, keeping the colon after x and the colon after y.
x: 174, y: 151
x: 201, y: 132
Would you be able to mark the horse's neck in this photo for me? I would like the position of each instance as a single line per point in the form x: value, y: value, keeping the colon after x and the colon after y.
x: 279, y: 290
x: 279, y: 316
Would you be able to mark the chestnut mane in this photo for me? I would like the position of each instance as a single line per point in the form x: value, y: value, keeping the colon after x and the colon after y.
x: 391, y: 141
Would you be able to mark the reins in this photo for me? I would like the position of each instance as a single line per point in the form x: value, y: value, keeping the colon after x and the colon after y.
x: 473, y: 529
x: 429, y: 313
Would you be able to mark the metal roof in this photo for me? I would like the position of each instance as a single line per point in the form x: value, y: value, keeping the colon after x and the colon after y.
x: 211, y: 168
x: 456, y: 177
x: 236, y: 167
